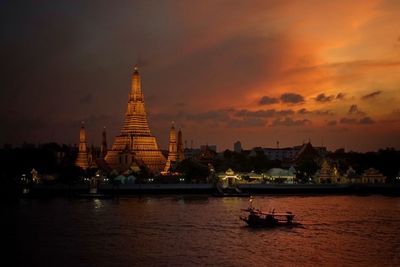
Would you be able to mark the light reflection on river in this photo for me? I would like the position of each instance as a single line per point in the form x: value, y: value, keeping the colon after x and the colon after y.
x: 206, y: 231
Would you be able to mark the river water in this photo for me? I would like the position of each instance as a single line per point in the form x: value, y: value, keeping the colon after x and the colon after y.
x: 206, y: 231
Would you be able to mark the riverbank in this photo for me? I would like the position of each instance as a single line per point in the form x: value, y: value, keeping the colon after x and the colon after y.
x: 245, y: 189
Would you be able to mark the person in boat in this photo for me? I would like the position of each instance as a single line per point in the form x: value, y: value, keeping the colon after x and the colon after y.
x: 289, y: 218
x: 270, y: 219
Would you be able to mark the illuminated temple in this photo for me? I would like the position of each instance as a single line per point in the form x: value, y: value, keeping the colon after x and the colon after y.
x: 82, y: 159
x: 135, y: 145
x: 175, y: 149
x: 172, y: 150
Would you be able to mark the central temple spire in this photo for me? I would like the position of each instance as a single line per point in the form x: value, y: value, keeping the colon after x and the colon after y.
x: 136, y: 116
x: 136, y: 87
x: 135, y: 145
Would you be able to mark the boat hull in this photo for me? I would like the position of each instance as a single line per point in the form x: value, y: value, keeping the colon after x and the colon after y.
x: 262, y: 223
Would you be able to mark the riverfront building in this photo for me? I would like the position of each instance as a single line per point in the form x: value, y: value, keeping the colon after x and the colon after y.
x: 278, y: 175
x: 274, y: 175
x: 372, y: 176
x: 135, y: 144
x: 290, y: 154
x: 229, y: 177
x: 329, y: 175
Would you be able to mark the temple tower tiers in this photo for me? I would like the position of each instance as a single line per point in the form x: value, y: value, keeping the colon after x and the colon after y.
x: 180, y: 149
x: 172, y: 149
x: 135, y: 136
x: 82, y: 159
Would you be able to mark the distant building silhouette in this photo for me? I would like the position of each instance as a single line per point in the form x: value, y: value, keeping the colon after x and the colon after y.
x: 206, y: 147
x: 290, y: 154
x: 237, y: 147
x: 181, y: 153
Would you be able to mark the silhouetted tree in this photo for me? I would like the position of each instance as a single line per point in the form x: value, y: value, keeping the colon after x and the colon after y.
x: 193, y: 170
x: 306, y: 169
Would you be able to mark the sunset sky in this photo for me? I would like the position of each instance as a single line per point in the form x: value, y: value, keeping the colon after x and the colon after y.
x: 254, y: 71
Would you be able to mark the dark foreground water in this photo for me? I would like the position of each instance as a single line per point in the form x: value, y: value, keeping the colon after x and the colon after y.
x: 206, y: 231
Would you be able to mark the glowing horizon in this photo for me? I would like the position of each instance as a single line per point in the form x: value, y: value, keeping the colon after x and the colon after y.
x: 257, y: 71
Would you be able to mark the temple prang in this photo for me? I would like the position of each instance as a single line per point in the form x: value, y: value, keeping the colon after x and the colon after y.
x: 172, y: 150
x: 135, y: 144
x: 82, y: 159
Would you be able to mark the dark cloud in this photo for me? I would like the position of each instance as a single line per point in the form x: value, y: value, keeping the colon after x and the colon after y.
x: 228, y: 116
x: 365, y: 120
x: 371, y: 95
x: 348, y: 121
x: 263, y: 113
x: 223, y: 117
x: 220, y: 115
x: 86, y: 99
x: 204, y: 74
x: 59, y: 54
x: 284, y: 112
x: 180, y: 104
x: 324, y: 98
x: 292, y: 98
x: 231, y: 117
x: 304, y: 111
x: 323, y: 112
x: 290, y: 122
x: 266, y: 100
x: 340, y: 96
x: 248, y: 122
x: 353, y: 110
x: 331, y: 123
x: 258, y: 113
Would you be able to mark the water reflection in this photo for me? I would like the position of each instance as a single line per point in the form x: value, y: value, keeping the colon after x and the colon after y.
x: 201, y: 231
x: 98, y: 203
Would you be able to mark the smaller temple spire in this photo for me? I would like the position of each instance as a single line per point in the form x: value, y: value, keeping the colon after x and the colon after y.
x: 172, y: 149
x: 82, y: 159
x: 172, y: 138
